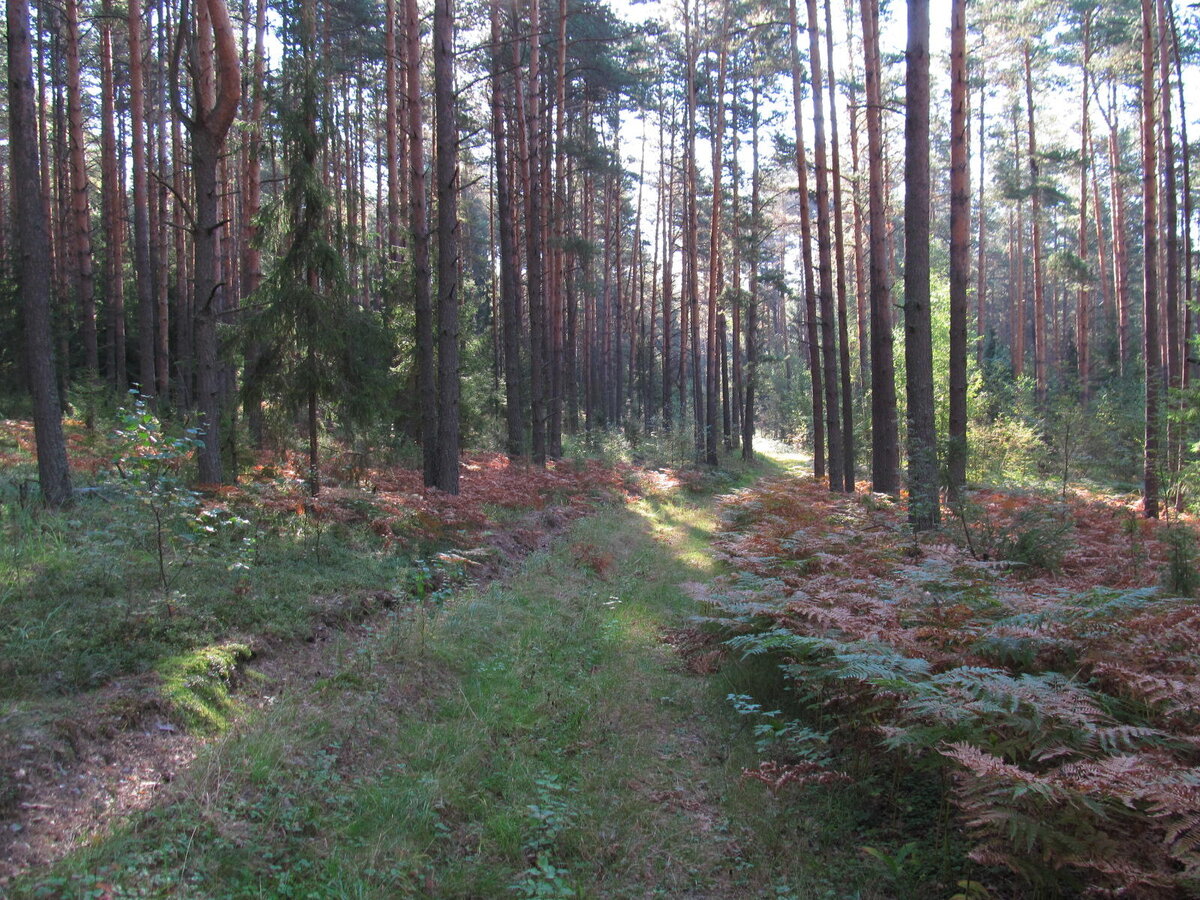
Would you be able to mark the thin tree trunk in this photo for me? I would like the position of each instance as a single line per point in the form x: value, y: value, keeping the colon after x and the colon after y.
x: 391, y: 129
x: 885, y: 441
x: 960, y: 259
x: 1173, y: 357
x: 447, y: 212
x: 419, y: 227
x: 752, y: 304
x: 509, y: 301
x: 1039, y: 297
x: 1152, y: 351
x: 1084, y: 298
x: 112, y: 205
x: 810, y: 291
x: 981, y: 240
x: 839, y: 246
x: 142, y: 266
x: 714, y: 243
x: 85, y: 295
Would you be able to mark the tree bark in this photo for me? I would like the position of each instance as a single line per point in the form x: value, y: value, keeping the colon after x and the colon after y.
x: 112, y: 209
x: 1039, y: 289
x: 143, y: 268
x: 810, y: 290
x: 714, y: 244
x: 1084, y: 297
x: 419, y: 227
x: 885, y: 441
x: 447, y: 214
x: 509, y: 301
x: 960, y: 259
x: 81, y: 228
x: 839, y: 246
x: 32, y: 246
x: 217, y: 94
x: 1152, y: 351
x: 923, y: 505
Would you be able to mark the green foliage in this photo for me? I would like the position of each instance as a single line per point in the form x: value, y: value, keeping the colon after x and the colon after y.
x: 196, y: 684
x: 1063, y: 721
x: 149, y: 465
x: 1039, y: 539
x: 1181, y: 575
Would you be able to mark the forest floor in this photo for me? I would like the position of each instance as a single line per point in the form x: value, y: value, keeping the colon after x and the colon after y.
x: 527, y: 691
x: 522, y: 719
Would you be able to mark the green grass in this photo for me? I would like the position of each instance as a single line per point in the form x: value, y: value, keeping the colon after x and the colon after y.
x: 81, y: 601
x: 531, y: 739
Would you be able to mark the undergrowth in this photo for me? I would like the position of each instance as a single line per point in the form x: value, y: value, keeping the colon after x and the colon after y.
x: 1029, y: 673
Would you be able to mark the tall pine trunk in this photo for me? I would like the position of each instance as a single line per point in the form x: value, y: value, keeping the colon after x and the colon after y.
x: 885, y: 441
x: 923, y: 505
x: 447, y: 231
x: 1152, y: 350
x: 810, y: 290
x: 32, y: 246
x: 960, y: 258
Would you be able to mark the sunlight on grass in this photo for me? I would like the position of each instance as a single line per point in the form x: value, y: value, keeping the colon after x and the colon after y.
x: 533, y: 738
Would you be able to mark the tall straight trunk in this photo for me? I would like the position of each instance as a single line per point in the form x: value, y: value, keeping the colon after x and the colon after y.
x: 32, y: 256
x: 1120, y: 252
x: 810, y: 290
x: 923, y: 506
x: 714, y: 245
x: 861, y: 292
x: 839, y: 246
x: 217, y: 93
x: 419, y: 228
x: 1173, y: 356
x: 981, y: 239
x: 528, y: 117
x: 667, y: 283
x: 691, y: 250
x: 391, y: 128
x: 1152, y: 350
x: 252, y: 273
x: 1084, y: 297
x: 510, y: 310
x: 885, y: 441
x: 726, y: 415
x: 752, y: 304
x: 143, y: 269
x: 1189, y: 299
x: 81, y: 228
x: 447, y: 216
x: 1103, y: 258
x: 837, y: 459
x: 1017, y: 292
x: 738, y: 397
x: 960, y: 250
x: 112, y: 208
x: 162, y: 336
x: 558, y: 244
x: 1039, y: 288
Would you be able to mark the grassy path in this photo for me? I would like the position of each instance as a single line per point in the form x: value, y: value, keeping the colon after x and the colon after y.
x: 535, y: 738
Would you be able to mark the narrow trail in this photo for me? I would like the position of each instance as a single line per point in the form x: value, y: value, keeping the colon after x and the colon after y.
x: 537, y: 737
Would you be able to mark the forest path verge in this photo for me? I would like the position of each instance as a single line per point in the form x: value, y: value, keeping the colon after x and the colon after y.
x: 535, y: 737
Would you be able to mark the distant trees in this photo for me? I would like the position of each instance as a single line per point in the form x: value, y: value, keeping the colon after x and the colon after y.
x: 641, y: 234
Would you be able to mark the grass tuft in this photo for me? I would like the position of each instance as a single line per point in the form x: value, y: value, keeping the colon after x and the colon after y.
x: 197, y: 684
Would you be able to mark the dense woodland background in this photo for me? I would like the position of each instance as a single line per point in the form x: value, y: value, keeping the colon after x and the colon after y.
x: 267, y: 267
x: 496, y: 225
